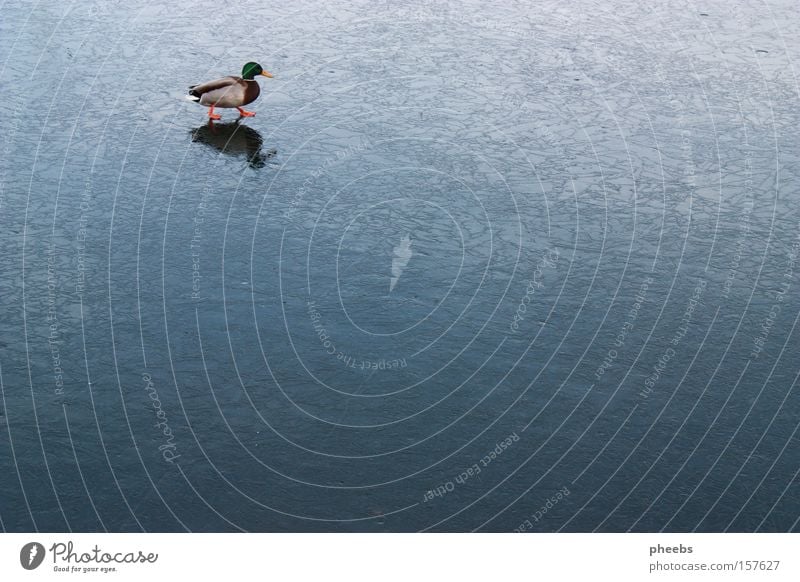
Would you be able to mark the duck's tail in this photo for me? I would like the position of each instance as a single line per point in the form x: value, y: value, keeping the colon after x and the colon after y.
x: 193, y: 95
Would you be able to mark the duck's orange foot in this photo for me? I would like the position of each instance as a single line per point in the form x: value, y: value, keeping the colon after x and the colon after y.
x: 244, y: 113
x: 212, y: 115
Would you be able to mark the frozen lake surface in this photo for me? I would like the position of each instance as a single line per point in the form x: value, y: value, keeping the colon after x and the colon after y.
x: 485, y: 266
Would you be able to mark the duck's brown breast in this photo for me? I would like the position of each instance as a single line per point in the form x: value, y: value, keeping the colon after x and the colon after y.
x: 251, y: 92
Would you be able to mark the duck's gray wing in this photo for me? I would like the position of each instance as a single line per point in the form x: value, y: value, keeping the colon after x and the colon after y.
x: 218, y: 92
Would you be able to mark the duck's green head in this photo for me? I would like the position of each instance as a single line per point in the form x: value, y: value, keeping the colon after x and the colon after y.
x: 250, y: 70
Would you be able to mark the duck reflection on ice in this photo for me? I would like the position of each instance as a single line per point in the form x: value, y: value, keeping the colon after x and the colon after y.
x: 234, y: 139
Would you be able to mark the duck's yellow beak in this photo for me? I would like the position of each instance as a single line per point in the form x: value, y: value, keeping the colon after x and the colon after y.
x: 267, y: 74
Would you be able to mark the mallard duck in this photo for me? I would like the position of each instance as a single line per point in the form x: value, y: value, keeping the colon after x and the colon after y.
x: 229, y: 92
